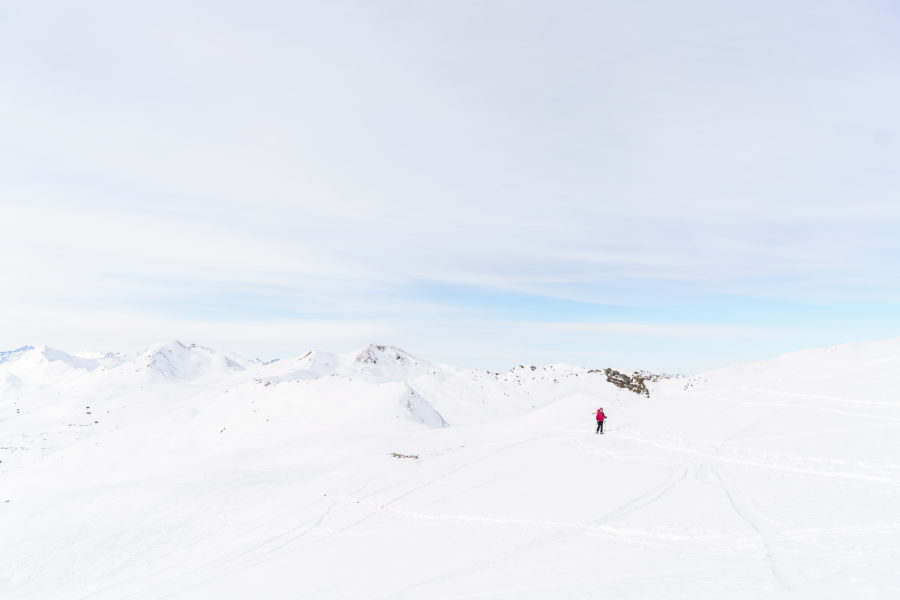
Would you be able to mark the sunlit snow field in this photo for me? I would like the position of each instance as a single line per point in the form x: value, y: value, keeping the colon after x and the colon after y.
x: 189, y: 473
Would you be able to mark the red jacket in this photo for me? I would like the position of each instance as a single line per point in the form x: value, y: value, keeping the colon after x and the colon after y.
x: 600, y: 415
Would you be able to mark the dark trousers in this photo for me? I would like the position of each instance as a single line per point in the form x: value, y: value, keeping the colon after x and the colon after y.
x: 600, y: 426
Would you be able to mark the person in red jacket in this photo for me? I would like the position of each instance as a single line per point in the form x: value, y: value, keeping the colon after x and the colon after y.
x: 600, y: 418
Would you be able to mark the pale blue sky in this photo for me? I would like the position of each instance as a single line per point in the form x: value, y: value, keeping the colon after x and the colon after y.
x: 674, y: 186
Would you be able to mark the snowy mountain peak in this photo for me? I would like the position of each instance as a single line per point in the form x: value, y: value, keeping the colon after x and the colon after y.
x: 376, y: 353
x: 389, y: 362
x: 52, y: 354
x: 41, y: 367
x: 9, y: 355
x: 45, y: 354
x: 319, y: 363
x: 176, y: 361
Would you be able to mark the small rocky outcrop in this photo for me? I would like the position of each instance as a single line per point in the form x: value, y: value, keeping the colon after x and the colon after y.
x: 636, y: 382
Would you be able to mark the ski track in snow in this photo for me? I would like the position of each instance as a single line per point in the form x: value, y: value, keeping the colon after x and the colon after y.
x: 195, y: 577
x: 282, y: 544
x: 717, y: 396
x: 676, y: 475
x: 782, y: 569
x: 784, y: 463
x: 254, y: 553
x: 824, y: 397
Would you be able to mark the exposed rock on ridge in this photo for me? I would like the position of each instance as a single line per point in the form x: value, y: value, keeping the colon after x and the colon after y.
x: 636, y: 382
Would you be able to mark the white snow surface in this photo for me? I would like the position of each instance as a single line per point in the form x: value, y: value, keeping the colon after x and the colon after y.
x: 183, y: 472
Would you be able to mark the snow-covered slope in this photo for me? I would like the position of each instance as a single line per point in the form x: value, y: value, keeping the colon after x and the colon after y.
x: 184, y: 472
x: 175, y: 361
x: 41, y: 366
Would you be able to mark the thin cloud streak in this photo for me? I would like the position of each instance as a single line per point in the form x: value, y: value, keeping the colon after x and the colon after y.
x: 665, y: 330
